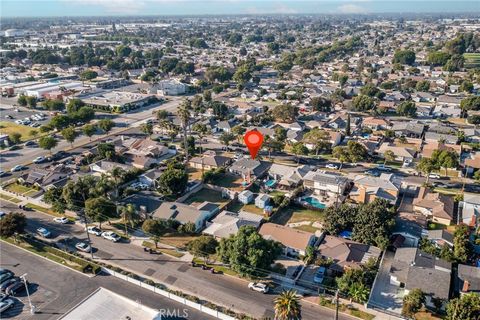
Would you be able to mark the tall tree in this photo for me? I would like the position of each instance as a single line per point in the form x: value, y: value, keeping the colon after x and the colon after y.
x: 89, y: 130
x: 129, y: 215
x: 47, y: 143
x: 100, y: 209
x: 155, y: 228
x: 203, y: 246
x: 13, y: 224
x: 318, y: 138
x: 412, y: 302
x: 69, y: 134
x: 467, y: 307
x: 287, y: 306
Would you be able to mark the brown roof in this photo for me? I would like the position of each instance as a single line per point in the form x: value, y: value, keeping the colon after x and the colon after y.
x: 431, y: 146
x: 441, y: 205
x: 473, y: 163
x: 347, y: 253
x: 289, y: 237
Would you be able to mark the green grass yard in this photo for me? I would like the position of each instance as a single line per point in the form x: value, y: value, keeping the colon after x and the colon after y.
x: 6, y: 197
x: 206, y: 195
x: 20, y: 189
x: 7, y: 127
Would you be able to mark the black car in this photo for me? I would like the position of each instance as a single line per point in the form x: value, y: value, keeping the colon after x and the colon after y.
x: 7, y: 283
x: 59, y: 155
x: 16, y: 287
x: 5, y: 276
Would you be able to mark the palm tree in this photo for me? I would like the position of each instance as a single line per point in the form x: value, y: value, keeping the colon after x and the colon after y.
x: 202, y: 131
x: 184, y: 115
x: 287, y: 306
x: 358, y: 292
x: 129, y: 215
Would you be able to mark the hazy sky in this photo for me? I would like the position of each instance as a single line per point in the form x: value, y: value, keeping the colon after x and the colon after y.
x: 16, y: 8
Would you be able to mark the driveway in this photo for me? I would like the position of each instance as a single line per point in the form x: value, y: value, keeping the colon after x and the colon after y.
x: 385, y: 295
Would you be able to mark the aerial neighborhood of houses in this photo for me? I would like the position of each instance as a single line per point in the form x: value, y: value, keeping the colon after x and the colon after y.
x: 365, y: 193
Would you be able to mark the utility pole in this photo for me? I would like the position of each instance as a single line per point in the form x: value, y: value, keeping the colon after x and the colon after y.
x: 32, y: 307
x: 88, y: 235
x: 336, y: 305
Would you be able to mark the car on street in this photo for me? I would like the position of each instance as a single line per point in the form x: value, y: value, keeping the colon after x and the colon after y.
x: 319, y: 275
x: 383, y: 167
x: 331, y: 166
x: 18, y: 167
x: 30, y: 143
x: 112, y: 236
x: 94, y: 230
x: 258, y: 286
x: 16, y: 287
x: 38, y: 160
x: 2, y: 173
x: 2, y: 214
x: 82, y: 246
x: 8, y: 116
x: 6, y: 304
x: 44, y: 232
x: 62, y: 220
x: 434, y: 176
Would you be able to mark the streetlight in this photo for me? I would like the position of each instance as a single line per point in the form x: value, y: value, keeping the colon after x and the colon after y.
x: 32, y: 307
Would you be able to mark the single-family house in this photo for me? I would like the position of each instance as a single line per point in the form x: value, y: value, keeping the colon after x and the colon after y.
x: 346, y: 254
x: 150, y: 177
x: 104, y: 166
x: 246, y: 196
x: 468, y: 279
x: 262, y: 200
x: 376, y: 123
x: 44, y: 178
x: 437, y: 206
x: 412, y: 268
x: 470, y: 213
x: 408, y: 129
x: 185, y: 213
x: 228, y: 223
x: 440, y: 237
x: 294, y: 241
x: 323, y: 183
x: 367, y: 188
x: 249, y: 168
x: 287, y: 176
x: 404, y: 154
x: 208, y: 162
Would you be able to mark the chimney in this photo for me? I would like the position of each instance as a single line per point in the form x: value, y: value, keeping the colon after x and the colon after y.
x: 466, y: 286
x: 363, y: 194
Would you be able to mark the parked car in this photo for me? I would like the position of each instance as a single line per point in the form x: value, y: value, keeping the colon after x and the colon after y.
x: 383, y: 167
x: 3, y: 296
x: 258, y: 286
x: 38, y: 160
x: 2, y: 214
x: 4, y: 270
x: 62, y: 220
x: 5, y: 284
x: 94, y: 230
x: 6, y: 276
x: 16, y: 287
x: 8, y: 116
x: 18, y: 167
x: 82, y: 246
x: 319, y: 275
x: 6, y: 304
x: 112, y: 236
x: 30, y: 143
x: 434, y: 176
x: 331, y: 166
x: 2, y: 173
x: 44, y: 232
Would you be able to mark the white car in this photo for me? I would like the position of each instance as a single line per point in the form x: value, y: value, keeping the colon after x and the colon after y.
x: 94, y: 230
x: 62, y: 220
x: 112, y: 236
x: 258, y: 286
x: 82, y: 246
x: 331, y: 166
x: 434, y: 176
x: 38, y: 159
x: 17, y: 168
x: 19, y: 121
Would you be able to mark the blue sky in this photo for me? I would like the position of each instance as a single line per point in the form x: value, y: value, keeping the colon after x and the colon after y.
x: 42, y: 8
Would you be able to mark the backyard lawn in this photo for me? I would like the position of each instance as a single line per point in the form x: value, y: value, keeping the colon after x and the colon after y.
x: 302, y: 217
x: 206, y: 195
x: 229, y: 181
x: 177, y: 241
x: 194, y: 174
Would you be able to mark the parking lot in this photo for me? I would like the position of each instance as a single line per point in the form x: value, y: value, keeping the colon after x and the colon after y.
x: 55, y: 289
x: 10, y: 115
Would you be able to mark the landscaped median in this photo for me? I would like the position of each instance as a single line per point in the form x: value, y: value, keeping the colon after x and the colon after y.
x: 47, y: 251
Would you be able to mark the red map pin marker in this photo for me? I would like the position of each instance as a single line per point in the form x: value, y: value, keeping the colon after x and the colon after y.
x: 253, y: 139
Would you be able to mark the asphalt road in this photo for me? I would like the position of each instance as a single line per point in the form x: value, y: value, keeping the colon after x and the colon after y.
x: 55, y: 289
x: 123, y: 122
x: 221, y: 289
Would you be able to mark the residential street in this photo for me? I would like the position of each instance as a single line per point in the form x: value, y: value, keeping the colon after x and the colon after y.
x: 220, y: 289
x: 56, y: 289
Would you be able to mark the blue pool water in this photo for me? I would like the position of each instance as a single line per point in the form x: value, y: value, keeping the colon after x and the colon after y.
x: 314, y: 202
x: 270, y: 183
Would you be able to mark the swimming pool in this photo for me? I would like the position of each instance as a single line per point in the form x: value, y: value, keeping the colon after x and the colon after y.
x: 270, y: 183
x: 314, y: 202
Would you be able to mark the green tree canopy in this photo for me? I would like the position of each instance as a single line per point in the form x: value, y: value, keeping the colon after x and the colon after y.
x: 100, y: 209
x: 173, y: 182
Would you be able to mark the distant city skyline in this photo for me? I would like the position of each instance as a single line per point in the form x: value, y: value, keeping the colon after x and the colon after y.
x: 59, y: 8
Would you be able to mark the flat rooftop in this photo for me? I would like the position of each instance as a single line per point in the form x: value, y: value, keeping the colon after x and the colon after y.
x: 105, y: 304
x: 115, y: 98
